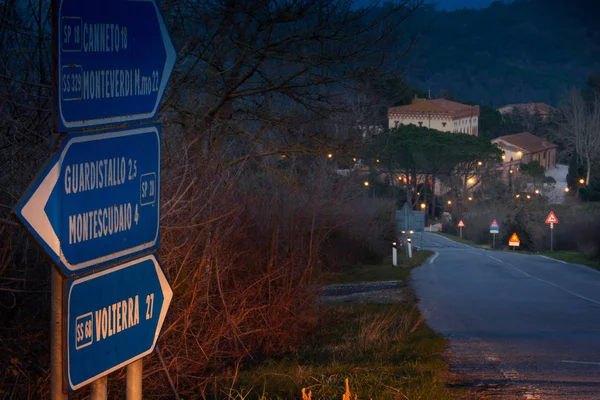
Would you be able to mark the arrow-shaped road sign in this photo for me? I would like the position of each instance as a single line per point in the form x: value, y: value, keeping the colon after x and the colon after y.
x: 114, y: 318
x: 113, y: 59
x: 97, y: 200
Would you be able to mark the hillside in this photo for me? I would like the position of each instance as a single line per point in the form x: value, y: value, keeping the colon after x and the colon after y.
x: 529, y: 50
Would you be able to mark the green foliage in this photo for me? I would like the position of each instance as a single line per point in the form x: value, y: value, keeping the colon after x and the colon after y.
x: 534, y: 169
x: 429, y: 151
x: 517, y: 52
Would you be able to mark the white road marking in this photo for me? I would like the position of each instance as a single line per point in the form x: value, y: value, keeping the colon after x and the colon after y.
x: 494, y: 258
x: 554, y: 259
x: 555, y: 285
x: 580, y: 362
x: 450, y: 240
x: 434, y: 257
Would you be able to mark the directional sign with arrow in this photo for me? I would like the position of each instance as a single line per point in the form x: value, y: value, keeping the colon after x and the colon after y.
x: 113, y: 59
x: 114, y: 318
x: 97, y: 199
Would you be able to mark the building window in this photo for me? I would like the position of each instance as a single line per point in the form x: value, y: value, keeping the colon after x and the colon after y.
x: 443, y: 124
x: 420, y: 123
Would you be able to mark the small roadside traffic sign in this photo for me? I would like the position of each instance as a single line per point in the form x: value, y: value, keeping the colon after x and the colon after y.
x: 494, y: 225
x: 551, y: 219
x: 97, y: 199
x: 461, y: 224
x: 514, y: 240
x: 114, y: 317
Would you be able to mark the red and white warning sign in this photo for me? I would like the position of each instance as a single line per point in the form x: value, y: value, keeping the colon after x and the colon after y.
x: 551, y: 219
x: 461, y: 224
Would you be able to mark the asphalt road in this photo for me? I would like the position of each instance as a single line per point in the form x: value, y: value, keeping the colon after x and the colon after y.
x: 520, y: 326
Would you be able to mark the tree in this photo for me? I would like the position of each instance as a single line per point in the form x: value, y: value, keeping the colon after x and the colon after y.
x: 421, y: 155
x: 581, y: 129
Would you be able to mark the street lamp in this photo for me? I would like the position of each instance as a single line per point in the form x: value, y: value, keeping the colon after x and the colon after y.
x: 517, y: 195
x: 566, y: 190
x: 511, y: 171
x: 423, y: 206
x: 449, y: 202
x: 470, y: 198
x: 537, y: 191
x: 520, y: 154
x: 581, y: 181
x: 330, y: 155
x: 528, y: 196
x: 471, y: 181
x: 366, y: 183
x: 480, y: 163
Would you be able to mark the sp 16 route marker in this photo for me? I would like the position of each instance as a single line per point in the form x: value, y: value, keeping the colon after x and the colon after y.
x: 114, y: 317
x: 113, y: 61
x: 97, y: 200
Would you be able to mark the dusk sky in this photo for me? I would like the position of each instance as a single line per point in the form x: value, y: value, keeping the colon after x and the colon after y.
x: 457, y: 4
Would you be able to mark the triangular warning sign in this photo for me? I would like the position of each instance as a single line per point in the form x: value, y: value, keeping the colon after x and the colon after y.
x: 551, y: 219
x: 514, y: 239
x: 461, y: 224
x: 494, y: 224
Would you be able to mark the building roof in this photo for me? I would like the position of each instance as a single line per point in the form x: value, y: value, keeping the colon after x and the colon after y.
x: 527, y: 141
x: 531, y: 108
x: 441, y: 106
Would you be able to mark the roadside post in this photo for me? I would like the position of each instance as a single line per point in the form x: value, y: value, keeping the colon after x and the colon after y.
x: 494, y: 230
x: 96, y: 201
x: 409, y: 246
x: 514, y: 241
x: 551, y: 219
x: 394, y: 254
x: 461, y: 225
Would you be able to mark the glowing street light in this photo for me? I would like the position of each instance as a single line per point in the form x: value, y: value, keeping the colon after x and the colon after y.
x: 471, y: 181
x: 511, y: 171
x: 377, y: 160
x: 581, y: 181
x: 449, y: 202
x: 503, y: 157
x: 537, y: 191
x: 517, y: 195
x: 566, y: 190
x: 520, y: 154
x: 528, y: 196
x: 479, y: 163
x: 366, y: 183
x: 423, y: 206
x: 330, y: 155
x: 470, y: 198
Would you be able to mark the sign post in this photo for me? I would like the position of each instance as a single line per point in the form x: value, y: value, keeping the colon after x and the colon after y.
x: 461, y: 224
x: 514, y: 241
x: 551, y: 219
x: 96, y: 202
x: 494, y: 230
x: 394, y: 254
x: 114, y: 317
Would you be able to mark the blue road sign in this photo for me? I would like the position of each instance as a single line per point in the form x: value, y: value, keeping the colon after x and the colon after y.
x: 114, y: 317
x: 113, y: 61
x: 97, y: 199
x: 494, y: 230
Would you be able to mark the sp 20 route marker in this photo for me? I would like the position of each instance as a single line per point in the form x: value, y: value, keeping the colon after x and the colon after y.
x: 113, y: 61
x: 114, y: 317
x: 97, y: 199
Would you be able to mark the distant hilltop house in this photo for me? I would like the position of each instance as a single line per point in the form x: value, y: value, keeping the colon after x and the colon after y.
x: 526, y: 147
x: 543, y: 110
x: 440, y: 114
